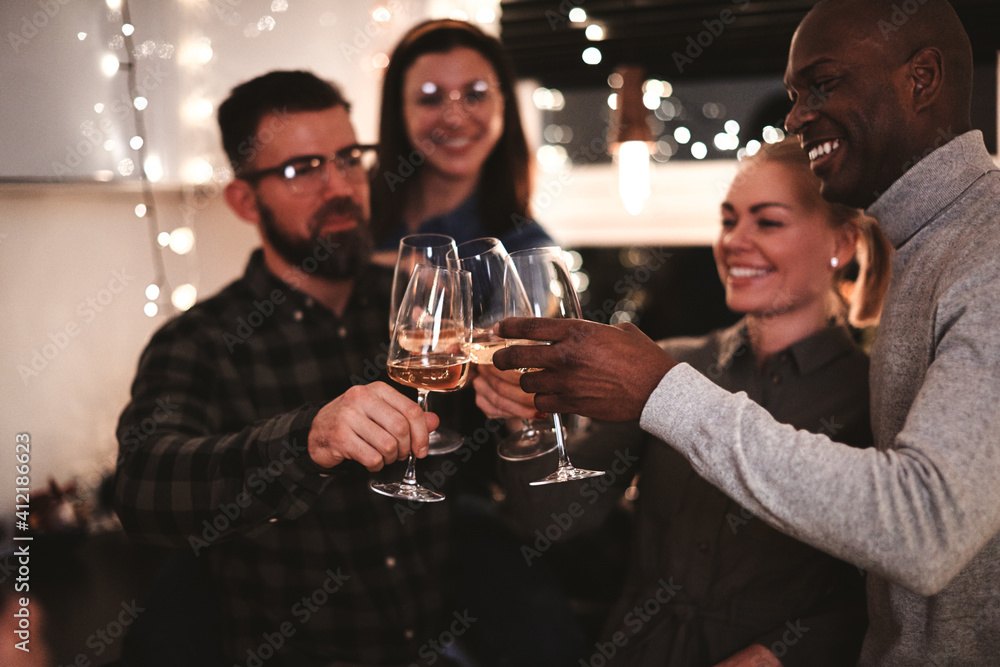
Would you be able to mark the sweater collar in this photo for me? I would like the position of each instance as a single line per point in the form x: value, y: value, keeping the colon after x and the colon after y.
x: 930, y: 186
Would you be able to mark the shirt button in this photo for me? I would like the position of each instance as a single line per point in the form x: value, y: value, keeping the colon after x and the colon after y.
x: 390, y: 561
x: 273, y: 519
x: 342, y: 332
x: 297, y: 316
x: 408, y: 634
x: 775, y: 378
x: 703, y: 547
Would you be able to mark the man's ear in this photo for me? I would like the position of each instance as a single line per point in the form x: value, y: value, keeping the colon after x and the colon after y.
x: 241, y: 198
x: 926, y: 72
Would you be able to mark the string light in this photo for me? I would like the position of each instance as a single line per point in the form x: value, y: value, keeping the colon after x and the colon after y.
x: 148, y: 166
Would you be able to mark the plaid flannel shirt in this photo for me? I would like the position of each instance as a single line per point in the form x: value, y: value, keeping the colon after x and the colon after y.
x: 213, y: 458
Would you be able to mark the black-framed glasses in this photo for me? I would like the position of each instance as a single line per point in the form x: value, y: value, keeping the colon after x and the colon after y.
x: 308, y: 173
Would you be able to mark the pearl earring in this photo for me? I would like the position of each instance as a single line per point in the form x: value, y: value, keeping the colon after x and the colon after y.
x: 834, y: 262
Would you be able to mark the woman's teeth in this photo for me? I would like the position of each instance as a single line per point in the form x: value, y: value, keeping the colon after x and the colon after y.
x: 737, y: 272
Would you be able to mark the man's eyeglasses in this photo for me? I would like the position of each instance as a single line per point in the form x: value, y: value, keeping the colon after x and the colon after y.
x: 309, y: 173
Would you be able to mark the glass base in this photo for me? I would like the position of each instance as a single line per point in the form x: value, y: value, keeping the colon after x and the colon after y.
x: 444, y: 441
x: 406, y: 491
x: 567, y: 474
x: 521, y: 445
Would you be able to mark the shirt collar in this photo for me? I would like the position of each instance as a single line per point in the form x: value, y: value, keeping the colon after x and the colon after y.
x: 928, y: 187
x: 370, y: 283
x: 808, y: 354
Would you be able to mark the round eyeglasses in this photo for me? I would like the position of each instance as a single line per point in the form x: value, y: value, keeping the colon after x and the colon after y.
x: 307, y: 174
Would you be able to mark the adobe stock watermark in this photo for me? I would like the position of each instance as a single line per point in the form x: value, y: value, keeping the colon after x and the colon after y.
x: 828, y: 427
x: 632, y: 281
x: 898, y: 17
x: 248, y: 324
x: 136, y: 435
x: 560, y: 15
x: 362, y: 38
x: 229, y: 513
x: 552, y: 189
x: 95, y: 134
x: 435, y: 479
x: 29, y: 26
x: 591, y: 491
x: 697, y: 44
x: 791, y: 636
x: 302, y: 611
x: 634, y: 621
x: 245, y: 326
x: 432, y: 650
x: 86, y: 311
x: 103, y: 638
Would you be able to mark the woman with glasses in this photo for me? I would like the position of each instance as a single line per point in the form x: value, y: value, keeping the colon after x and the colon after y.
x: 453, y: 159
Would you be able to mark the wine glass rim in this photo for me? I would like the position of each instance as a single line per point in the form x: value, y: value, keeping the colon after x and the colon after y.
x: 548, y: 249
x: 487, y: 243
x: 432, y: 240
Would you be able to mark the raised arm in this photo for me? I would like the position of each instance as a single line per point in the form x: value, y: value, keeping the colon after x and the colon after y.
x: 194, y: 459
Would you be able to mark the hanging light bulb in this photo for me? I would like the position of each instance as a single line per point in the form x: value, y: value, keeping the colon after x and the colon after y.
x: 629, y: 140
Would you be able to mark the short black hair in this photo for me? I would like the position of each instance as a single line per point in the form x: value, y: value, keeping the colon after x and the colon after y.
x: 278, y: 92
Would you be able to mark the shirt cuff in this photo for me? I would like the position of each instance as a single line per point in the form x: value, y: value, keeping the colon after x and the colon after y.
x: 292, y: 449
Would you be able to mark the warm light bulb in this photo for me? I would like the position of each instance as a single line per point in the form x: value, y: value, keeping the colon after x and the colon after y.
x: 182, y: 240
x: 198, y: 170
x: 633, y: 175
x: 109, y: 64
x: 184, y: 296
x: 153, y: 168
x: 198, y: 108
x: 592, y: 55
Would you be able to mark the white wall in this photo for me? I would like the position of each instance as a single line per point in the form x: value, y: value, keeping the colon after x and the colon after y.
x: 74, y: 264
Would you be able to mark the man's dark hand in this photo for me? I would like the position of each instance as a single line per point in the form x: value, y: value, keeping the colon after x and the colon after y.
x: 599, y: 371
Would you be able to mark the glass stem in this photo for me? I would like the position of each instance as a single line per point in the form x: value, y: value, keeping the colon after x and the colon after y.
x: 411, y: 461
x: 560, y: 441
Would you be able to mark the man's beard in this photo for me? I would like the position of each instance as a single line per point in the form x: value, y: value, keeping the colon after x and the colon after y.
x: 336, y: 256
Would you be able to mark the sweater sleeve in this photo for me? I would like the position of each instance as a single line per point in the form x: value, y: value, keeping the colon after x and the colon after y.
x: 915, y: 513
x: 180, y: 477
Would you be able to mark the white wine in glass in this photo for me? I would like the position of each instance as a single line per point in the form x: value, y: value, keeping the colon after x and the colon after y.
x: 538, y: 284
x: 486, y: 260
x: 430, y: 351
x: 414, y: 250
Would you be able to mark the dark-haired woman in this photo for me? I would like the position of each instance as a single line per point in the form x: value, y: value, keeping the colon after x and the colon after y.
x: 453, y: 158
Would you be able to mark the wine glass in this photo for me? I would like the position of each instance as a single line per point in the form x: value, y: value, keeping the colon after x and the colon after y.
x: 486, y: 259
x: 414, y: 250
x: 429, y: 351
x: 546, y: 290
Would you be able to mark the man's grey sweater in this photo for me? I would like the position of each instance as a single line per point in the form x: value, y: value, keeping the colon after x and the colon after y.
x: 921, y: 511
